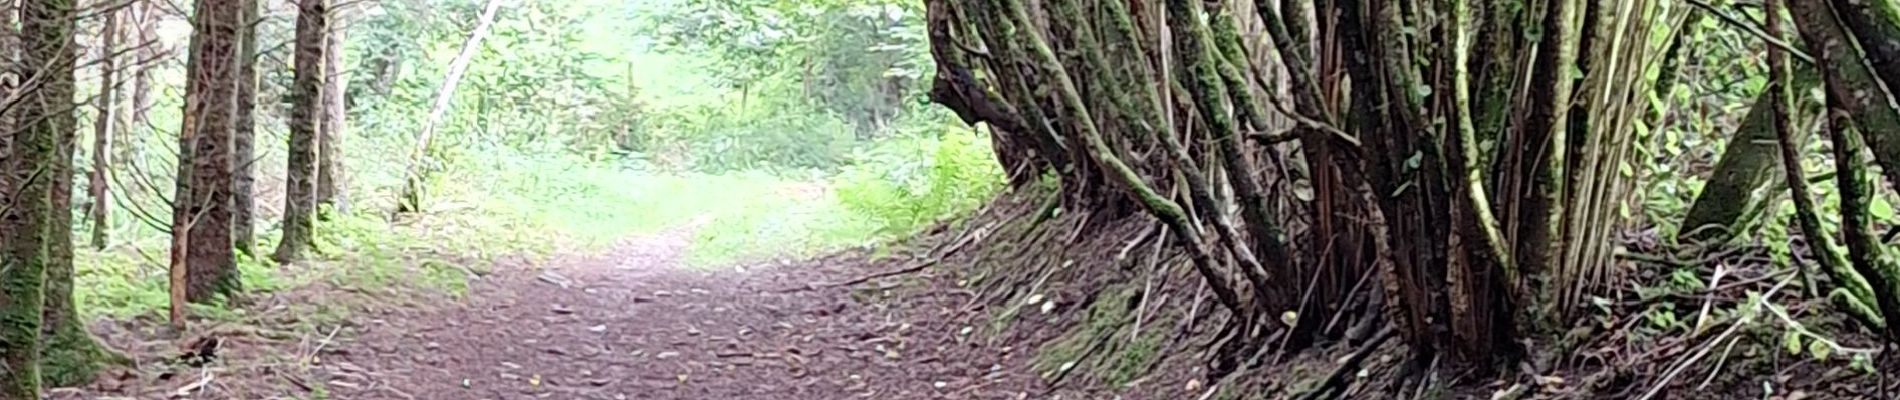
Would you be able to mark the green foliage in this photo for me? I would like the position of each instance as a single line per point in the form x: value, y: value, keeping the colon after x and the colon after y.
x: 716, y: 137
x: 580, y: 124
x: 909, y: 183
x: 856, y: 58
x: 1121, y: 357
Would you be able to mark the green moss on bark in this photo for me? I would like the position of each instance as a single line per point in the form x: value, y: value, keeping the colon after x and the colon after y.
x: 73, y: 357
x: 20, y: 302
x: 1746, y: 177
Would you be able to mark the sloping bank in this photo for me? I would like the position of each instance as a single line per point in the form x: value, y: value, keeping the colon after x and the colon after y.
x: 1180, y: 228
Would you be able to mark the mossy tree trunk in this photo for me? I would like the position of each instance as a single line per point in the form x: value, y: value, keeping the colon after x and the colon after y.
x: 1745, y: 179
x: 1460, y: 236
x: 306, y: 99
x: 1848, y: 41
x: 30, y: 151
x: 69, y: 354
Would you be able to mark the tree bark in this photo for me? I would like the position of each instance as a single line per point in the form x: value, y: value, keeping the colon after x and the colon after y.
x: 23, y: 268
x: 1529, y: 196
x: 1394, y: 189
x: 1858, y: 100
x: 411, y: 198
x: 202, y: 206
x: 149, y: 49
x: 104, y: 132
x: 69, y: 354
x: 244, y: 134
x: 330, y: 172
x: 306, y: 99
x: 1779, y: 98
x: 1729, y: 200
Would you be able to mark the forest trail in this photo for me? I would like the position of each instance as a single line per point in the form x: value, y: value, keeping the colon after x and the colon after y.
x: 634, y: 323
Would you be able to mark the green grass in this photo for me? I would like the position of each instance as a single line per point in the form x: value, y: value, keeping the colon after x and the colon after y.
x: 542, y: 203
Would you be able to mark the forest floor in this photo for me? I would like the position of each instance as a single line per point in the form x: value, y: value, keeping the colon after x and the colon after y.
x: 630, y: 323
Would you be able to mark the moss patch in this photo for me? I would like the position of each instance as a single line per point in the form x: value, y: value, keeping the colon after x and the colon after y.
x: 72, y: 358
x: 1114, y: 360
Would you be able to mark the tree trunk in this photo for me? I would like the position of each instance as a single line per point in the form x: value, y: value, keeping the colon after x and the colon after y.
x: 69, y: 354
x: 244, y: 134
x: 1734, y: 194
x: 202, y: 206
x: 149, y: 49
x: 1858, y: 100
x: 411, y: 198
x: 306, y: 99
x: 1821, y: 243
x: 330, y: 193
x: 104, y: 132
x: 1395, y: 161
x: 23, y: 268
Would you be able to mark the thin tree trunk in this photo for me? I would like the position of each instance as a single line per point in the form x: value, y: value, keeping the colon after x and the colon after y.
x: 178, y: 280
x: 411, y: 198
x: 202, y: 206
x: 1533, y: 169
x: 103, y: 133
x: 330, y: 172
x: 244, y: 135
x: 1858, y: 98
x: 1778, y: 107
x: 149, y: 49
x: 300, y: 197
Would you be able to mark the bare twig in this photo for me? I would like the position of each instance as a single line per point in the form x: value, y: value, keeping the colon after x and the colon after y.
x: 1337, y: 380
x: 919, y: 266
x: 205, y: 378
x: 1751, y: 29
x: 1684, y: 364
x: 321, y: 344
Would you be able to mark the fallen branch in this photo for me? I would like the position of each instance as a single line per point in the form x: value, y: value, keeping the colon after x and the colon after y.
x: 307, y: 358
x: 886, y: 274
x: 205, y: 379
x: 1704, y: 351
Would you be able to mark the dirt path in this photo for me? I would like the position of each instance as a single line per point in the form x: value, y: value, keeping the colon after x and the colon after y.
x: 635, y: 324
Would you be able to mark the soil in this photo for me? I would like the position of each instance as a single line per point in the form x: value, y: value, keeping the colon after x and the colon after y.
x: 631, y: 323
x: 1107, y: 314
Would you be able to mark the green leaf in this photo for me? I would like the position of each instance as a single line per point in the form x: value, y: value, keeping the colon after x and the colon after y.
x: 1791, y: 342
x: 1862, y: 363
x: 1820, y: 350
x: 1881, y: 209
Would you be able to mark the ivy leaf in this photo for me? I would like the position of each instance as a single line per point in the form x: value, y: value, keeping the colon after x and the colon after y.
x: 1880, y: 209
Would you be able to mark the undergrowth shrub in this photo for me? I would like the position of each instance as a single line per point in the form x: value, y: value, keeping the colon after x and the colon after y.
x: 717, y: 138
x: 906, y: 183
